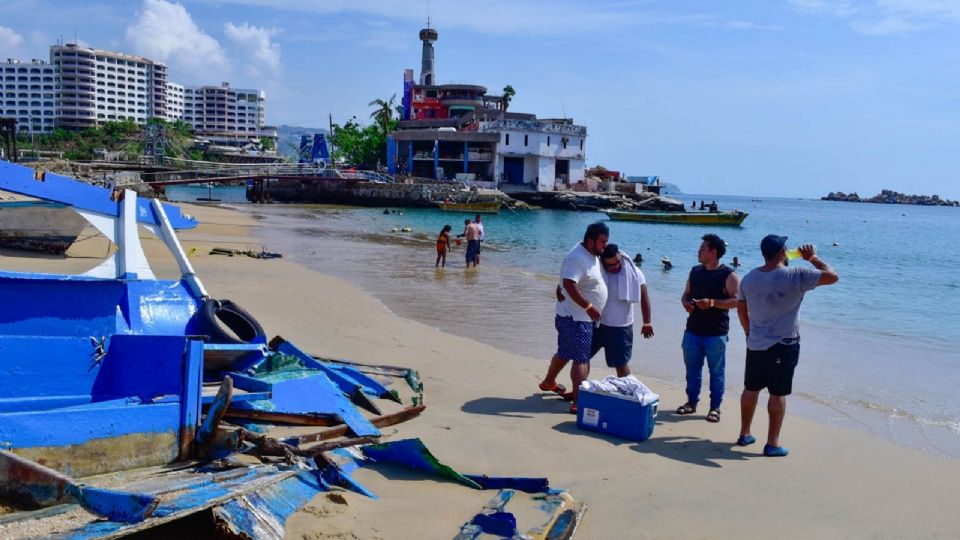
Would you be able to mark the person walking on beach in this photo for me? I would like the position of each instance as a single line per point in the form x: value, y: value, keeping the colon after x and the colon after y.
x: 710, y: 293
x: 472, y: 233
x: 769, y: 306
x: 443, y: 245
x: 585, y: 295
x: 626, y: 286
x: 476, y: 220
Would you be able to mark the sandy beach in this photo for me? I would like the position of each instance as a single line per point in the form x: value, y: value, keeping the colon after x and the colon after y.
x: 485, y: 415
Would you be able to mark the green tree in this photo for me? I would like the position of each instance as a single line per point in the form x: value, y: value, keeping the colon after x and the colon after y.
x: 359, y: 145
x: 383, y: 113
x: 508, y: 93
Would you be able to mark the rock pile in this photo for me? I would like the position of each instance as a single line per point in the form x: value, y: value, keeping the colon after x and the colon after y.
x: 888, y: 196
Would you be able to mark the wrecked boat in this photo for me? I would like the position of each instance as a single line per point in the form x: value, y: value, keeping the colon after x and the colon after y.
x: 39, y: 226
x: 127, y: 401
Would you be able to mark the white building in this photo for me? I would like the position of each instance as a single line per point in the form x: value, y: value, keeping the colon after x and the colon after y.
x: 84, y: 87
x: 30, y: 94
x: 99, y: 86
x: 540, y: 153
x: 226, y: 115
x: 175, y: 101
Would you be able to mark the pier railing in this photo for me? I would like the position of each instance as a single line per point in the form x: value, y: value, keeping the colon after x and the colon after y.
x: 203, y: 171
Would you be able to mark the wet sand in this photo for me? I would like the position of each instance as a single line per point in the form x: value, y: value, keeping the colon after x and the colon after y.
x: 485, y: 415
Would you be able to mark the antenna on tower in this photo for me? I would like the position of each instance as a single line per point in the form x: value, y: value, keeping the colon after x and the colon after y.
x: 563, y: 109
x: 428, y: 13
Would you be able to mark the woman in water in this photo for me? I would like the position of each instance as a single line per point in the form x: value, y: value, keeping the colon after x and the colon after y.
x: 443, y: 244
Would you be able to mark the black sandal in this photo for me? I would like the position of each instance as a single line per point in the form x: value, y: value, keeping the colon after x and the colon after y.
x: 686, y: 408
x: 713, y: 416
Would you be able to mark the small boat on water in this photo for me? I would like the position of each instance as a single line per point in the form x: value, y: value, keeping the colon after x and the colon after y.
x: 485, y: 207
x: 733, y: 219
x: 41, y: 226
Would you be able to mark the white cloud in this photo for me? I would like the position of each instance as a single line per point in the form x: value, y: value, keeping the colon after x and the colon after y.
x: 886, y: 17
x: 165, y: 31
x: 9, y: 39
x: 257, y: 47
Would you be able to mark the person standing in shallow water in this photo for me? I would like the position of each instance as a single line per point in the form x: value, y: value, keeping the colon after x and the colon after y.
x: 710, y: 293
x: 443, y: 245
x: 769, y: 307
x: 476, y: 220
x: 472, y: 232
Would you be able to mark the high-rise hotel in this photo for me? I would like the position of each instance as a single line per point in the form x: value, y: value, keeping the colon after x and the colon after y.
x: 83, y: 87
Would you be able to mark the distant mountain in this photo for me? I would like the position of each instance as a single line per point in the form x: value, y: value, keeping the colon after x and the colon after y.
x: 670, y: 189
x: 288, y: 138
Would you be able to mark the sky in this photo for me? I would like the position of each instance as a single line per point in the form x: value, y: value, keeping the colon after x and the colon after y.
x: 792, y: 98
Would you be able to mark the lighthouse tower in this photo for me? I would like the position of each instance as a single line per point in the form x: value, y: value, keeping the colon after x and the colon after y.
x: 427, y: 36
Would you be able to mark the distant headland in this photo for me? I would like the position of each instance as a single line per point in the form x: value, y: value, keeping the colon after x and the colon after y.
x: 892, y: 197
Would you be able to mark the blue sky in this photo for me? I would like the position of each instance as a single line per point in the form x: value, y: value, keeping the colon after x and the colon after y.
x: 773, y: 97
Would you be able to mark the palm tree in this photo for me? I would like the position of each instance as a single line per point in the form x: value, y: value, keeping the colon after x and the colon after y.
x: 383, y: 113
x: 508, y: 93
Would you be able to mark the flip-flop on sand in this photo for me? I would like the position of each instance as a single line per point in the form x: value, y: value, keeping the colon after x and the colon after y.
x: 556, y: 388
x: 713, y: 416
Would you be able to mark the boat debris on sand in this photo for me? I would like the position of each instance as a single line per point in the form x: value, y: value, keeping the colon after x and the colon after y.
x: 127, y: 401
x: 253, y: 254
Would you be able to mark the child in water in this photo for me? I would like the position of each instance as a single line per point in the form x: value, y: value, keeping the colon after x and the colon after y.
x: 443, y: 244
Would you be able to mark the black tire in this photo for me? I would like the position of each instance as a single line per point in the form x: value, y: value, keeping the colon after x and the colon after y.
x: 226, y: 322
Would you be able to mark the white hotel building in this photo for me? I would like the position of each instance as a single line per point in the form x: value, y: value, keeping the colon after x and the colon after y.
x: 82, y: 87
x: 30, y: 94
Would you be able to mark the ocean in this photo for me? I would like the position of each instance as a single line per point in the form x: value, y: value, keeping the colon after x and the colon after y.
x: 879, y: 349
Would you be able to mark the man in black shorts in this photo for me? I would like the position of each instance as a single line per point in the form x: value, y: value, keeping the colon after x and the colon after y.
x: 768, y: 306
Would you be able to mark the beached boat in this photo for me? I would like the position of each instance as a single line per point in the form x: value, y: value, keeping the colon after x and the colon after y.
x: 689, y: 218
x: 486, y: 207
x: 39, y: 226
x: 125, y: 400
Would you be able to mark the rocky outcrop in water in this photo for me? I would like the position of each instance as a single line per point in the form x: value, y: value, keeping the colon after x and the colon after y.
x: 892, y: 197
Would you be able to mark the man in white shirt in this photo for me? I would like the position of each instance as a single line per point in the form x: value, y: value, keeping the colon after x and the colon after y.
x: 585, y: 294
x: 479, y: 225
x: 615, y: 333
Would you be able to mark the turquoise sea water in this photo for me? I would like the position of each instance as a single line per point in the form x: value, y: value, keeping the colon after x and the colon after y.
x: 879, y: 348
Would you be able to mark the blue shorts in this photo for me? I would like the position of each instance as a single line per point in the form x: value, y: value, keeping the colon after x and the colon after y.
x: 574, y: 338
x: 616, y: 342
x: 473, y: 249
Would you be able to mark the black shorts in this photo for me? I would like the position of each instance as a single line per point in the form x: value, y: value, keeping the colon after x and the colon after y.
x: 616, y: 342
x: 772, y: 369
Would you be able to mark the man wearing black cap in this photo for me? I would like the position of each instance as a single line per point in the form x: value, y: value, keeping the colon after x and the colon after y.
x: 768, y: 306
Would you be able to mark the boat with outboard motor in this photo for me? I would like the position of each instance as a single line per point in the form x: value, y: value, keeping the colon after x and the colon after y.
x: 733, y: 219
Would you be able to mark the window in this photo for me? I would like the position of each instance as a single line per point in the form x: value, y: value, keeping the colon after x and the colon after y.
x: 581, y: 144
x: 564, y: 142
x: 526, y: 140
x: 548, y: 140
x: 506, y: 139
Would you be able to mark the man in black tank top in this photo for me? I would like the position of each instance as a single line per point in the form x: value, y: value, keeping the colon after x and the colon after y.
x: 710, y: 293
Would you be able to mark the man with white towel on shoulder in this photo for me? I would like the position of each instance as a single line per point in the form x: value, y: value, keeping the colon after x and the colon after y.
x: 626, y: 286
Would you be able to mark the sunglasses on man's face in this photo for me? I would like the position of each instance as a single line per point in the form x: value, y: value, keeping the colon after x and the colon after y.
x: 611, y: 264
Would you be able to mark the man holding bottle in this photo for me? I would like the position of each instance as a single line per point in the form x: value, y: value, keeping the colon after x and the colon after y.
x: 769, y: 306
